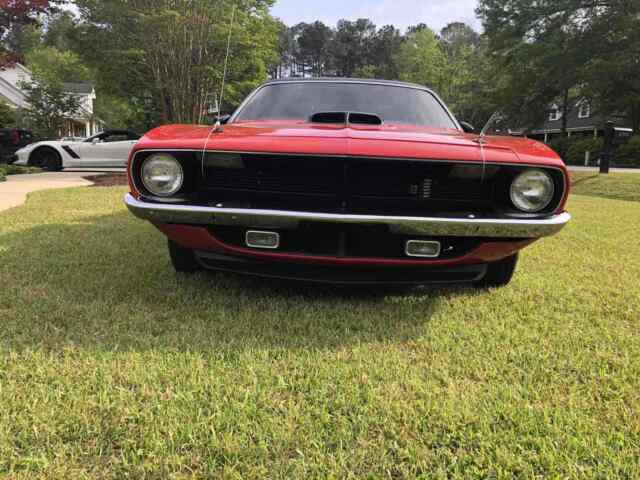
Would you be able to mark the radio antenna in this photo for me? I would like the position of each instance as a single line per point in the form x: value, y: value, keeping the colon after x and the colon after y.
x: 482, y: 140
x: 489, y: 124
x: 218, y: 126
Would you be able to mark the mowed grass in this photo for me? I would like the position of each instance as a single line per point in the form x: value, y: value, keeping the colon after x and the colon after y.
x: 112, y: 366
x: 620, y: 186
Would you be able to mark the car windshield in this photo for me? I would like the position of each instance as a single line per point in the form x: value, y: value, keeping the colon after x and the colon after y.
x: 299, y: 101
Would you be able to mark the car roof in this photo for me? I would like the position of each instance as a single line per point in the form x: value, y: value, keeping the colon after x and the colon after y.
x: 371, y: 81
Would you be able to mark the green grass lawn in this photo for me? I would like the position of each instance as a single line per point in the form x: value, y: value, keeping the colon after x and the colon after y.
x: 620, y: 186
x: 112, y: 366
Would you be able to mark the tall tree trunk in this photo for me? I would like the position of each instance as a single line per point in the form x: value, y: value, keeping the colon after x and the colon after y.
x: 565, y: 111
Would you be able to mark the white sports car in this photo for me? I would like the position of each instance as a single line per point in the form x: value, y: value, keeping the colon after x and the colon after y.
x: 107, y: 149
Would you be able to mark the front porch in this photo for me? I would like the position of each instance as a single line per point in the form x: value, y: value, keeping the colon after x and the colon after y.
x: 80, y: 128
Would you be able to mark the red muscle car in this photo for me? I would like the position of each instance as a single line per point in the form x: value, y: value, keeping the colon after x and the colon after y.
x: 347, y: 181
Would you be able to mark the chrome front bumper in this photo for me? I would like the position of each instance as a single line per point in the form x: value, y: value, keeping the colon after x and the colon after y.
x: 289, y: 220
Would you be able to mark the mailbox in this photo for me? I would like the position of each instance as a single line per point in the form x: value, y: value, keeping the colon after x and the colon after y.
x: 621, y: 135
x: 613, y: 137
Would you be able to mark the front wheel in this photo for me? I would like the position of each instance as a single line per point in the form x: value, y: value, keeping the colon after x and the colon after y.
x: 499, y: 274
x: 182, y: 259
x: 47, y: 159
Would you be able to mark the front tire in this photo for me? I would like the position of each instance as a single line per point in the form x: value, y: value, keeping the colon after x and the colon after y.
x: 47, y: 159
x: 499, y: 274
x: 183, y: 259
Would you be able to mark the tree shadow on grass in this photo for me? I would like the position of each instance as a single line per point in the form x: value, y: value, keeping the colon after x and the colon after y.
x: 583, y: 179
x: 106, y: 283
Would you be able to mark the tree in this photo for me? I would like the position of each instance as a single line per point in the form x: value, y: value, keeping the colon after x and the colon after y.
x: 536, y: 46
x: 313, y: 46
x: 16, y: 16
x: 175, y: 51
x: 59, y: 32
x: 286, y: 52
x: 421, y: 59
x: 460, y: 44
x: 55, y: 66
x: 352, y: 45
x: 7, y: 116
x: 384, y: 51
x: 486, y: 88
x: 49, y: 103
x: 49, y: 106
x: 612, y: 73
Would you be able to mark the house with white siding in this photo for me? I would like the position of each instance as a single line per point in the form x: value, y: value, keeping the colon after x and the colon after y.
x: 79, y: 124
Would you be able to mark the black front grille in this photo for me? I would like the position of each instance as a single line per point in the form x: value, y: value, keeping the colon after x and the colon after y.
x: 346, y: 185
x: 272, y: 182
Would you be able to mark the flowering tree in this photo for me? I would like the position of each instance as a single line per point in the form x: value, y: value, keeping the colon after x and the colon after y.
x: 14, y: 16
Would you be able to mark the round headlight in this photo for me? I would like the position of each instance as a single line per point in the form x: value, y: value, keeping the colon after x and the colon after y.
x: 532, y: 191
x: 162, y: 175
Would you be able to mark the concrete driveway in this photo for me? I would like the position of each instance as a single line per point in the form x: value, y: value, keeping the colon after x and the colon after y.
x: 597, y: 169
x: 14, y: 191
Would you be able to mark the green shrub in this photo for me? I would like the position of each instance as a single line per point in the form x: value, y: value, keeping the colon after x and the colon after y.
x: 572, y: 149
x: 629, y: 153
x: 18, y: 170
x: 579, y: 146
x: 560, y: 144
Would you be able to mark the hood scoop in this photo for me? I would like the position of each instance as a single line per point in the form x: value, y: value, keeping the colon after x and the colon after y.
x: 346, y: 118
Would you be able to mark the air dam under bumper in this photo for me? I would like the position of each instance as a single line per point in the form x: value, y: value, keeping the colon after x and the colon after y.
x: 289, y: 220
x: 341, y: 275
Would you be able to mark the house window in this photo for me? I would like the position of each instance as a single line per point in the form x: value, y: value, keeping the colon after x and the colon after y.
x: 585, y: 110
x: 555, y: 114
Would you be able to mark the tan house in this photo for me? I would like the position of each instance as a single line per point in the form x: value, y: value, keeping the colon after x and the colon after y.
x: 79, y: 124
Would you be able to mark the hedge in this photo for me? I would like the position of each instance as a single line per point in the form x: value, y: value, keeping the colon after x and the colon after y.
x: 572, y: 150
x: 577, y: 149
x: 16, y: 170
x: 629, y: 153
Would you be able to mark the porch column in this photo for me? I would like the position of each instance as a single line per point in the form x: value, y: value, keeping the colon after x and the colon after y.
x: 88, y: 128
x: 546, y: 138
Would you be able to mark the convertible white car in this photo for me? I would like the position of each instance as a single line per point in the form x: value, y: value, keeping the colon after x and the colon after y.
x: 107, y: 149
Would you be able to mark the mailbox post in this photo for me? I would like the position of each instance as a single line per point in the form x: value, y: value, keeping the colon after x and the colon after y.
x: 613, y: 137
x: 607, y: 153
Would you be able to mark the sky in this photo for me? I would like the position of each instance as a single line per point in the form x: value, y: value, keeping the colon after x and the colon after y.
x: 401, y: 13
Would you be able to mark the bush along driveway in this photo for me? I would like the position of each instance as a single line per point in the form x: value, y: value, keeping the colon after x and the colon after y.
x: 112, y: 366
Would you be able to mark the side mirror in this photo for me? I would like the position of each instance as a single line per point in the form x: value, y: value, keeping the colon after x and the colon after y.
x: 467, y: 127
x: 95, y: 141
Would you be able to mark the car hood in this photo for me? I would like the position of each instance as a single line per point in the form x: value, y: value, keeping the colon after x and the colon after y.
x: 389, y: 140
